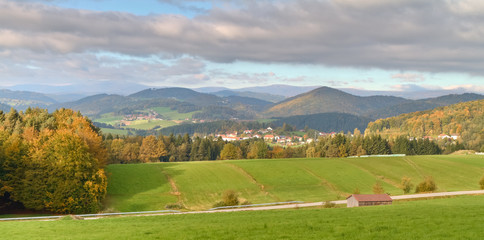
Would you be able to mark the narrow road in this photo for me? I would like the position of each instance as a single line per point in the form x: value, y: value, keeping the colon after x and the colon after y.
x: 315, y: 204
x: 285, y: 206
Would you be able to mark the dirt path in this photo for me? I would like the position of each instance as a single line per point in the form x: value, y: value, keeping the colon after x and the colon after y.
x: 253, y: 180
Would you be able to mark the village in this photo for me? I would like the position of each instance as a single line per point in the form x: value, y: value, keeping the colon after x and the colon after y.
x: 271, y: 137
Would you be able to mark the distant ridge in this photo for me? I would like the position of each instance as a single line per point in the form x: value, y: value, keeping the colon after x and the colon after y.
x: 326, y: 99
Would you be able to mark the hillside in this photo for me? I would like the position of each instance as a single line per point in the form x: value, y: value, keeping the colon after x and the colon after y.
x: 139, y: 187
x: 424, y: 104
x: 326, y: 122
x: 463, y: 119
x: 96, y: 104
x: 325, y: 99
x: 180, y: 94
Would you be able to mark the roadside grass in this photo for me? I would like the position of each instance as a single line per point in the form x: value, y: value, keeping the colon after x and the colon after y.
x: 201, y: 184
x: 448, y: 218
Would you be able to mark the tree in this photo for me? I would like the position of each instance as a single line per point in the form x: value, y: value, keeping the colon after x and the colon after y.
x: 151, y: 149
x: 377, y: 188
x: 406, y: 184
x: 427, y: 185
x: 230, y: 151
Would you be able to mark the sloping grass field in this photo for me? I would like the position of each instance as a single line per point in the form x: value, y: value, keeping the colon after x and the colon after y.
x: 199, y: 185
x: 447, y: 218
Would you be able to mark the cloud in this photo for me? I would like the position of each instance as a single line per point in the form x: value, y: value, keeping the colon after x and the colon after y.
x: 419, y: 36
x: 409, y: 77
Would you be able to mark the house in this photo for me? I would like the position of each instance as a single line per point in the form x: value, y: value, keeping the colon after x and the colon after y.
x: 444, y: 136
x: 269, y: 137
x: 357, y: 200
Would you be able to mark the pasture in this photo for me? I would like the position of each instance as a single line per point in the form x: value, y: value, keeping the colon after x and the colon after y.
x: 198, y: 185
x: 446, y: 218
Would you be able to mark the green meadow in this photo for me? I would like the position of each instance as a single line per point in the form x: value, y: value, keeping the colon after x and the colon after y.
x: 198, y: 185
x: 446, y: 218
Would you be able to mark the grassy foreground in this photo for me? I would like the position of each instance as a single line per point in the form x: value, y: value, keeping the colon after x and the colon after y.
x: 448, y: 218
x: 198, y: 185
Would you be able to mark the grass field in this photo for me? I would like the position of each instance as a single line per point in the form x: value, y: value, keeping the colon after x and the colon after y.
x: 150, y: 124
x: 114, y: 131
x: 173, y: 114
x: 198, y: 185
x: 447, y: 218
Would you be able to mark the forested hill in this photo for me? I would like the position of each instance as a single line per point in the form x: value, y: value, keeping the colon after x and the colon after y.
x: 463, y: 119
x: 325, y: 99
x: 326, y: 122
x: 424, y: 104
x: 181, y: 94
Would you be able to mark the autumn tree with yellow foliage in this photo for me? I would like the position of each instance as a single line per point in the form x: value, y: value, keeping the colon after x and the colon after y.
x: 51, y: 162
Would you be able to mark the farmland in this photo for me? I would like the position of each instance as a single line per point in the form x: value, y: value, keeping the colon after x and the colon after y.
x: 447, y: 218
x: 198, y: 185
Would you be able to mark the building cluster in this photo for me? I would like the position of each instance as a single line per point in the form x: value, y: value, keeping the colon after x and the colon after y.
x: 269, y: 136
x: 150, y: 115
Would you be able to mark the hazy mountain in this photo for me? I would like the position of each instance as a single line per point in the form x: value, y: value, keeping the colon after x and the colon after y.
x: 263, y: 96
x: 5, y: 107
x: 66, y: 97
x: 96, y: 104
x: 279, y: 89
x: 421, y: 94
x: 21, y: 100
x: 87, y: 88
x: 327, y: 99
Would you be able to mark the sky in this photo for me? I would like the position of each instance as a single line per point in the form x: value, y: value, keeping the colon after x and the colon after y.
x: 399, y: 45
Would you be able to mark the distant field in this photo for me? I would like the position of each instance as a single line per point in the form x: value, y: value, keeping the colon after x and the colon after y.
x: 173, y: 114
x: 201, y: 184
x: 150, y: 124
x: 114, y: 131
x: 109, y: 118
x: 447, y: 218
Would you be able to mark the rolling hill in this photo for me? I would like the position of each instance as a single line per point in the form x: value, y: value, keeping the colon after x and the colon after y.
x: 326, y: 122
x: 198, y: 185
x: 180, y: 94
x: 325, y: 99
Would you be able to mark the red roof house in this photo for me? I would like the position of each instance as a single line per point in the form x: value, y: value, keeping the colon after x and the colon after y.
x: 357, y: 200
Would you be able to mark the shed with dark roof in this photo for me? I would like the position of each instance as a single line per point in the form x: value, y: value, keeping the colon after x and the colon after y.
x: 357, y: 200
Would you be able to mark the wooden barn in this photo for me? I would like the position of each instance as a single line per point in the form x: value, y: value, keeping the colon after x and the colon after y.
x: 357, y: 200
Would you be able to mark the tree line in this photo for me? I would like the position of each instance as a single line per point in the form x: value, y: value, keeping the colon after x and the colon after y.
x: 136, y: 149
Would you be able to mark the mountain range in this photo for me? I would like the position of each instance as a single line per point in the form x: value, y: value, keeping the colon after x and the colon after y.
x: 312, y: 108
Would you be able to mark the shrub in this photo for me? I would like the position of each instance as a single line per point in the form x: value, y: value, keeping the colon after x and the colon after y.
x: 377, y: 188
x: 427, y: 185
x: 329, y: 204
x: 175, y: 206
x: 230, y: 198
x: 406, y: 184
x: 482, y: 182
